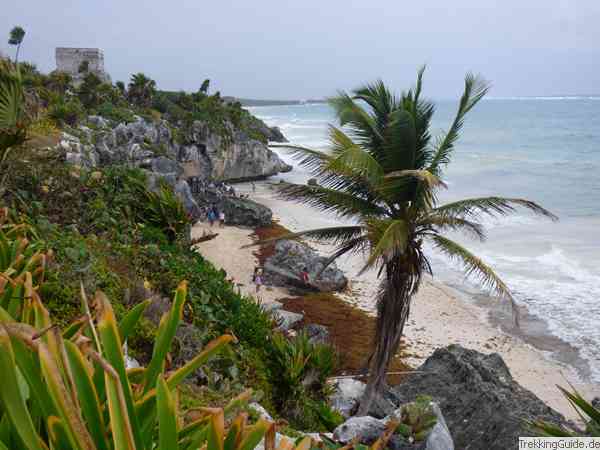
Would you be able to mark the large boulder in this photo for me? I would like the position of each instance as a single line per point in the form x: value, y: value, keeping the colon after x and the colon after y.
x: 348, y: 392
x: 283, y: 268
x: 275, y: 135
x: 367, y: 429
x: 482, y: 404
x: 245, y: 212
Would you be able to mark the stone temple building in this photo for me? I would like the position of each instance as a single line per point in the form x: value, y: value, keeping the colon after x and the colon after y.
x: 71, y: 60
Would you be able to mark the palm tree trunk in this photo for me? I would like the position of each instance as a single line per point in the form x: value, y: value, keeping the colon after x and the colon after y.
x: 17, y: 54
x: 393, y: 307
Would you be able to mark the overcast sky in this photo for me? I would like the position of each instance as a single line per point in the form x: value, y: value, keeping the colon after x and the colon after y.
x: 311, y: 48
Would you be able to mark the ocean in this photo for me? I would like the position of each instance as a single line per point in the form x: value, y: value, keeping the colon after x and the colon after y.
x: 545, y: 149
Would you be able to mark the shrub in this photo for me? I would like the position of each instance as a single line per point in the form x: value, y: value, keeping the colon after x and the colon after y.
x: 301, y: 369
x: 162, y: 209
x: 116, y: 113
x: 66, y: 111
x: 417, y: 419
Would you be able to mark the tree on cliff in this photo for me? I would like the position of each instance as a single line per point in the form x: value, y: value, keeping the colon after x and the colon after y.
x: 17, y: 34
x: 205, y: 86
x: 382, y: 173
x: 141, y: 89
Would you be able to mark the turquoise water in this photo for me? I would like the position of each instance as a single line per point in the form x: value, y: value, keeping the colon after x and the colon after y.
x: 543, y: 149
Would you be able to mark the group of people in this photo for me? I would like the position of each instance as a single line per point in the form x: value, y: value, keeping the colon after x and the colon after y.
x: 213, y: 214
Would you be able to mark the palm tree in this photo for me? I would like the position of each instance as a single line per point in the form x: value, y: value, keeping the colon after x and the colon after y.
x: 14, y: 120
x: 17, y: 34
x: 205, y: 86
x: 383, y: 174
x: 141, y: 89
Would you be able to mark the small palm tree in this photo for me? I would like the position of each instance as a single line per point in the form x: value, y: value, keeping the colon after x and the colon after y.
x: 141, y: 89
x: 383, y: 173
x: 17, y: 34
x: 205, y: 86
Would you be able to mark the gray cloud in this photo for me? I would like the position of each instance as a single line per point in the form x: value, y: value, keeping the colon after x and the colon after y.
x: 285, y: 49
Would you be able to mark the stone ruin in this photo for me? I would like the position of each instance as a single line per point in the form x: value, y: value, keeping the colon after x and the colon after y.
x: 70, y: 60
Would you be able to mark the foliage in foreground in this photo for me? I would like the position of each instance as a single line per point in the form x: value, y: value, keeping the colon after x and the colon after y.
x: 589, y: 414
x: 382, y: 173
x: 70, y: 388
x: 302, y: 368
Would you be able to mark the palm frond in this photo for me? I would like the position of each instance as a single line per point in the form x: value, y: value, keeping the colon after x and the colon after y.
x: 475, y: 89
x: 11, y: 97
x: 387, y: 238
x: 399, y: 146
x: 362, y: 125
x: 346, y: 205
x: 349, y: 159
x: 425, y: 176
x: 476, y: 268
x: 313, y: 160
x: 379, y: 98
x: 491, y: 206
x: 334, y: 235
x: 438, y: 223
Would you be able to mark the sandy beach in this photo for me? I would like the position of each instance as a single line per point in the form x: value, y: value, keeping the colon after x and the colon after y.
x: 439, y: 316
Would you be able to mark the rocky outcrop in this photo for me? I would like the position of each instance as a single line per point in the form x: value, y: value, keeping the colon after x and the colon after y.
x: 484, y: 407
x: 283, y: 268
x: 367, y: 429
x: 156, y: 146
x: 347, y: 393
x: 245, y: 212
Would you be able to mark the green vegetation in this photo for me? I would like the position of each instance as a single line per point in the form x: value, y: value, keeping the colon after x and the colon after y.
x: 589, y: 415
x: 417, y: 419
x: 103, y: 231
x: 302, y: 368
x: 383, y: 174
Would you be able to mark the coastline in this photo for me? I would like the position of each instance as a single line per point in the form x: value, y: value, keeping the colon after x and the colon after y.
x: 440, y: 315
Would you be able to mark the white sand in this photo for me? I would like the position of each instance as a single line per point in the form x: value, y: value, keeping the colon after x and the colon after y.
x: 439, y: 316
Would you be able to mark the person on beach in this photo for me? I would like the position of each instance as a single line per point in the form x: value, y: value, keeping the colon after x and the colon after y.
x: 257, y: 278
x: 222, y: 219
x: 211, y: 217
x: 253, y: 187
x: 304, y: 276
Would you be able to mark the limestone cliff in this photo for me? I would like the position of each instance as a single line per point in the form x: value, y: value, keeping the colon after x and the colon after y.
x: 160, y: 147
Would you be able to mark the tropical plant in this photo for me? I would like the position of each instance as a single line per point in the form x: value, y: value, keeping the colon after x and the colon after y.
x: 141, y: 89
x: 302, y: 368
x: 417, y: 419
x: 162, y: 209
x: 382, y: 172
x: 16, y: 36
x: 70, y: 389
x: 205, y: 86
x: 65, y: 110
x: 13, y: 118
x: 589, y: 414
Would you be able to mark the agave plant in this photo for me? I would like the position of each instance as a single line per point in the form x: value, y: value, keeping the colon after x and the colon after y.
x: 70, y: 389
x: 162, y: 209
x: 588, y: 413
